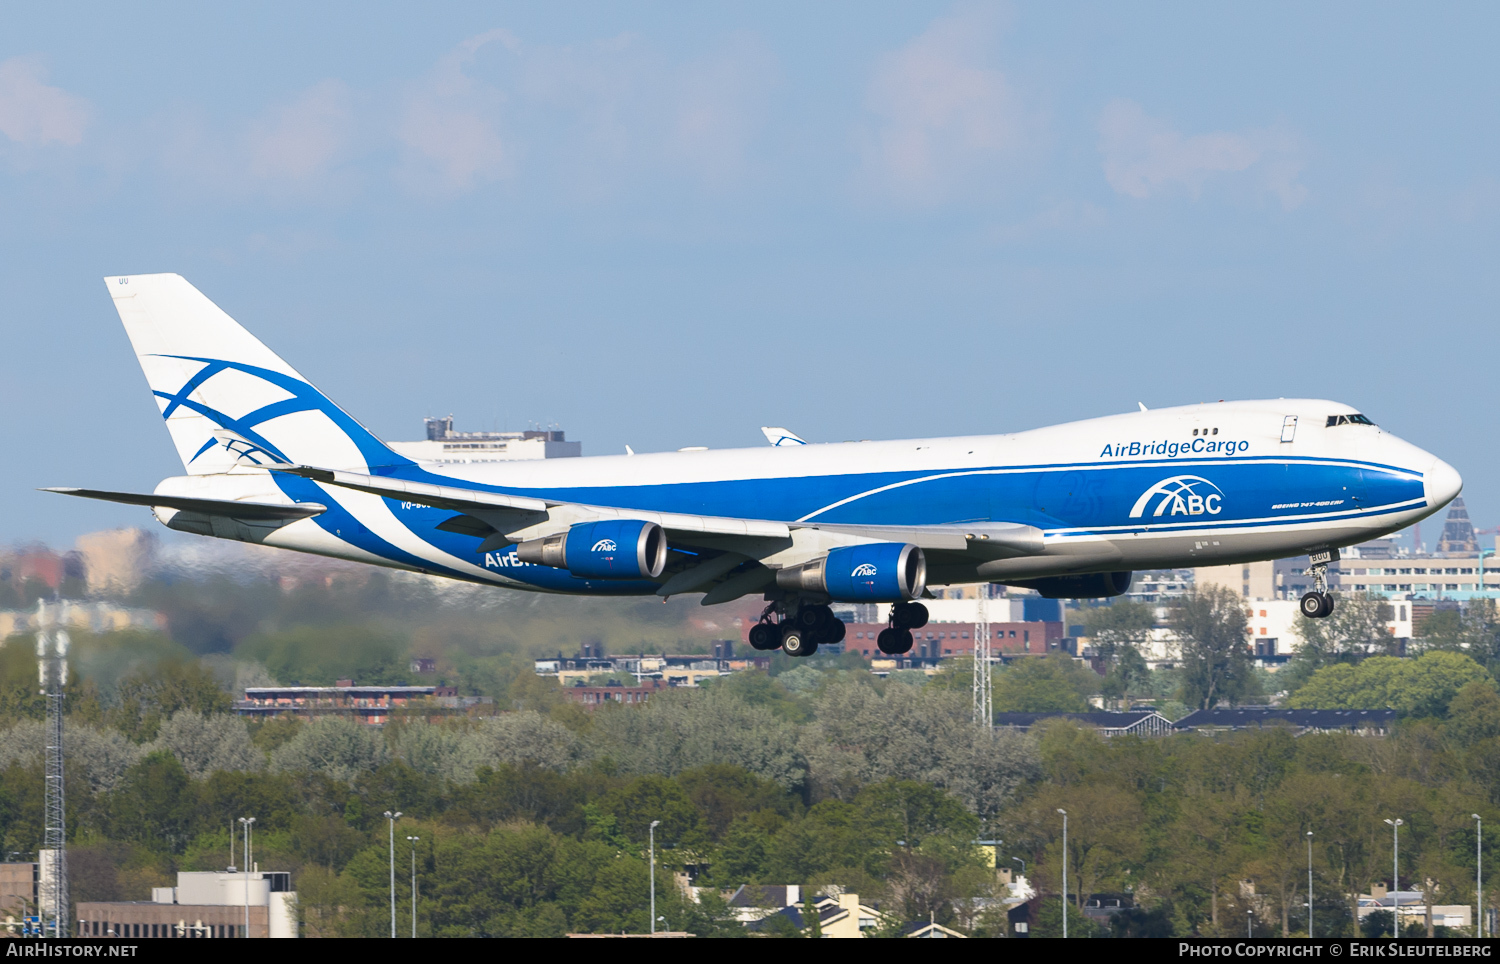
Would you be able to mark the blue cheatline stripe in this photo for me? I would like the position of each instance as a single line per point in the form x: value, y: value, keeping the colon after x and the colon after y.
x: 340, y: 523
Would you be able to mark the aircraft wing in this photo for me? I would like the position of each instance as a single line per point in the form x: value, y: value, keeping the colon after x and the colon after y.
x: 727, y: 557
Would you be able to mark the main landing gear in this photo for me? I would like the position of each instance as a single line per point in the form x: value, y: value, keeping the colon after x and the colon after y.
x: 905, y: 616
x: 1318, y: 604
x: 801, y: 629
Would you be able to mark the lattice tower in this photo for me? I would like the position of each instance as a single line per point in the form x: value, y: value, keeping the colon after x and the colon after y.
x: 52, y: 666
x: 984, y: 704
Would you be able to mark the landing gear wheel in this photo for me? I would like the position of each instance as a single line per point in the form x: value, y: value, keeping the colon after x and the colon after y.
x: 908, y: 615
x: 833, y: 632
x: 764, y: 636
x: 894, y: 642
x: 815, y: 617
x: 796, y: 642
x: 1317, y: 605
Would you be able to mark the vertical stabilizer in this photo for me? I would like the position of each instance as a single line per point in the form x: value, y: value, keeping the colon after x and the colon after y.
x: 230, y: 402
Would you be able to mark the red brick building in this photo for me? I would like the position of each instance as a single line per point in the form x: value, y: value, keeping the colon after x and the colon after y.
x: 939, y: 640
x: 592, y: 697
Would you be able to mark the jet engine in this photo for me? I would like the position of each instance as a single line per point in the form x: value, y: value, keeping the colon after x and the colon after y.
x: 879, y: 572
x: 608, y: 549
x: 1094, y: 585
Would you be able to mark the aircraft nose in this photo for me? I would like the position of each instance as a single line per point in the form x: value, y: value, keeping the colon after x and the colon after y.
x: 1442, y: 482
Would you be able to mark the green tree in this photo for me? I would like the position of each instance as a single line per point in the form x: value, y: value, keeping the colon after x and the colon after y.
x: 1041, y: 684
x: 1212, y: 635
x: 148, y: 697
x: 1424, y: 686
x: 1357, y: 628
x: 1474, y: 713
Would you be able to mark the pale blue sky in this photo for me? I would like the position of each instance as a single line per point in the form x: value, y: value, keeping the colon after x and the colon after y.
x: 669, y: 224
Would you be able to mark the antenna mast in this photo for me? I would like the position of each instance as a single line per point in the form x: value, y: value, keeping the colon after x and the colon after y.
x: 983, y: 700
x: 52, y: 667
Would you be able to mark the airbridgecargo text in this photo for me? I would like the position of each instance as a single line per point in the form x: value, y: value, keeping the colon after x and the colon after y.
x: 1198, y: 446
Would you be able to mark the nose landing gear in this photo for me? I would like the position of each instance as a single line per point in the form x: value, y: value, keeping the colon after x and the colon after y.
x: 1318, y: 604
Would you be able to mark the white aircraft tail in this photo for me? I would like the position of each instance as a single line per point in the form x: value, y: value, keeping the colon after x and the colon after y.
x: 230, y: 402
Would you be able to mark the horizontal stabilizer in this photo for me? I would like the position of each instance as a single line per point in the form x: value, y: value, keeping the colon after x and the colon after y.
x: 212, y: 507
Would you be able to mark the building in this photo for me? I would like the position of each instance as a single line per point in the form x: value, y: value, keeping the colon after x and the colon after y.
x: 1459, y: 538
x: 207, y: 904
x: 676, y: 670
x: 367, y: 704
x: 938, y: 640
x: 1128, y: 723
x: 116, y: 560
x: 1411, y: 905
x: 839, y: 916
x: 593, y: 697
x: 442, y: 444
x: 19, y: 884
x: 1362, y: 722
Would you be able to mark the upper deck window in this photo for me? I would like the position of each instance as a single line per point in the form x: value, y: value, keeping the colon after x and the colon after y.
x: 1348, y: 420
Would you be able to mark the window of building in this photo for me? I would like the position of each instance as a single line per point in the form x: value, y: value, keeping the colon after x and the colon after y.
x: 1450, y: 572
x: 1466, y: 572
x: 1453, y: 585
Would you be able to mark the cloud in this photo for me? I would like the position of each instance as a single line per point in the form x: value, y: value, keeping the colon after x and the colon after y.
x: 944, y: 117
x: 32, y: 113
x: 720, y: 107
x: 1144, y: 157
x: 449, y: 124
x: 585, y: 119
x: 299, y: 141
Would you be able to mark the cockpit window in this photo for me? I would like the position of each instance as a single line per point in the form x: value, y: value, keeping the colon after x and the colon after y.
x: 1348, y: 420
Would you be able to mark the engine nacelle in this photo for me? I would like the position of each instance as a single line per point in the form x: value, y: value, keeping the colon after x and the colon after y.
x: 608, y: 549
x: 1094, y: 585
x: 880, y: 572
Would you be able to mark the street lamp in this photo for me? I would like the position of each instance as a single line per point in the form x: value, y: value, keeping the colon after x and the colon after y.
x: 1309, y: 885
x: 1022, y: 862
x: 1396, y: 873
x: 245, y: 822
x: 1478, y: 872
x: 392, y: 818
x: 1065, y: 871
x: 1249, y: 923
x: 413, y: 842
x: 652, y: 831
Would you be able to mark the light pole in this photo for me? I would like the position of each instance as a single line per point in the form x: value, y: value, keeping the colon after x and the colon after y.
x: 413, y: 842
x: 245, y: 822
x: 1249, y: 923
x: 1065, y: 871
x: 1478, y: 872
x: 652, y: 831
x: 1309, y: 885
x: 1396, y: 873
x: 392, y: 818
x: 1022, y: 862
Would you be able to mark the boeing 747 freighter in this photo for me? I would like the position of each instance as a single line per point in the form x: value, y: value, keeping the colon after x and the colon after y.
x: 1068, y: 510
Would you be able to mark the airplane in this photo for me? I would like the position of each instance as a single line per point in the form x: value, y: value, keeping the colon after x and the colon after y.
x: 1069, y: 510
